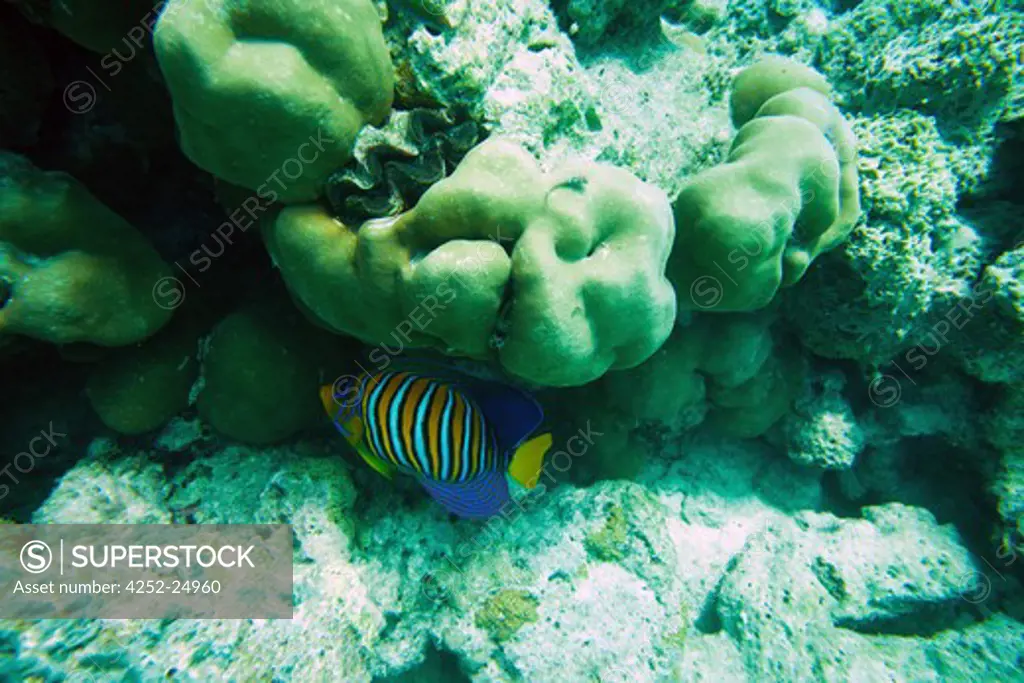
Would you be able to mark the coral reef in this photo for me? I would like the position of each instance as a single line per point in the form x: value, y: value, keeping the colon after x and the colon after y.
x: 993, y: 351
x: 307, y: 75
x: 760, y: 262
x: 786, y: 193
x: 558, y: 277
x: 1004, y: 429
x: 72, y: 269
x: 911, y: 267
x: 732, y: 374
x: 512, y: 69
x: 960, y: 64
x: 822, y: 431
x: 908, y: 264
x: 695, y: 571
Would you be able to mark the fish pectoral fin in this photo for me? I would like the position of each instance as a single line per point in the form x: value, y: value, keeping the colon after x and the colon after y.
x: 529, y: 459
x: 385, y: 469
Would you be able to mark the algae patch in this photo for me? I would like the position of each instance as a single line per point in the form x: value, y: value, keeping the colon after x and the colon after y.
x: 609, y: 542
x: 506, y: 612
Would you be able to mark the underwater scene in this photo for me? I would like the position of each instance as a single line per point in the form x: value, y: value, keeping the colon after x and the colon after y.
x: 511, y: 340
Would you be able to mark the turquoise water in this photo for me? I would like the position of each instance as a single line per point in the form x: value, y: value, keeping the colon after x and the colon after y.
x: 523, y: 340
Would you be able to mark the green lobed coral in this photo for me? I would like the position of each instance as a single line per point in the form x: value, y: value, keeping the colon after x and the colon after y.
x: 786, y: 193
x: 271, y: 96
x: 141, y: 388
x: 261, y: 369
x: 75, y: 270
x: 735, y: 374
x: 559, y: 277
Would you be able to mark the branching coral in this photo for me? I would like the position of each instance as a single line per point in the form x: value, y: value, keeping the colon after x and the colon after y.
x: 559, y: 277
x: 786, y: 193
x: 73, y: 270
x: 259, y: 86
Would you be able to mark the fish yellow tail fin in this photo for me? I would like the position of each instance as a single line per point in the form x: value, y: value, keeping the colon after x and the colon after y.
x: 528, y: 460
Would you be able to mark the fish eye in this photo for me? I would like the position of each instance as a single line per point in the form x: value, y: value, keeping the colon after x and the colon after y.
x: 6, y: 292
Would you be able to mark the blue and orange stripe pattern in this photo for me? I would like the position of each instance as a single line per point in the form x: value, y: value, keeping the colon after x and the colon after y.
x: 426, y: 427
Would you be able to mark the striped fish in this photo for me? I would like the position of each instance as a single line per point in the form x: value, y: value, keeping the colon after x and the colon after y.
x: 457, y: 436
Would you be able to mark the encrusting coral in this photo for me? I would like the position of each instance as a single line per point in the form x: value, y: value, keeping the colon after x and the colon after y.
x: 72, y: 270
x: 1004, y: 429
x: 960, y: 65
x: 992, y: 353
x: 910, y: 261
x: 559, y: 277
x: 786, y: 193
x: 271, y: 96
x: 822, y: 431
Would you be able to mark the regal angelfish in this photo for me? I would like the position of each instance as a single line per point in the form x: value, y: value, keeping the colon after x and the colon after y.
x: 457, y: 435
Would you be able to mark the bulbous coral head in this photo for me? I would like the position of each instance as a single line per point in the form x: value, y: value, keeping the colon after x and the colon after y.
x: 261, y: 369
x: 270, y: 95
x: 74, y: 270
x: 763, y: 80
x: 786, y: 193
x: 589, y: 291
x: 559, y: 277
